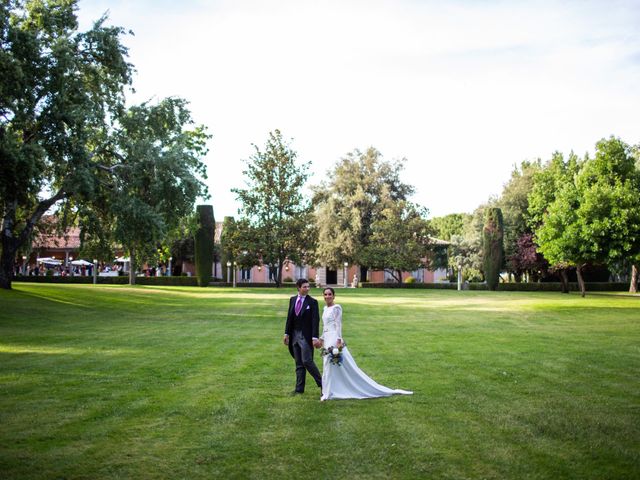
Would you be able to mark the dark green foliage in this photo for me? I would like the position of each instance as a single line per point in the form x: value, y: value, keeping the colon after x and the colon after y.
x: 275, y: 223
x: 493, y: 246
x: 204, y: 244
x: 59, y: 88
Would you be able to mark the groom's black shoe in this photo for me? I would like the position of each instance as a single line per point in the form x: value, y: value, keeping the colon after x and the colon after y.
x: 295, y: 392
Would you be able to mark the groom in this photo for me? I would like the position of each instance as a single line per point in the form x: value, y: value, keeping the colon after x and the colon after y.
x: 301, y: 334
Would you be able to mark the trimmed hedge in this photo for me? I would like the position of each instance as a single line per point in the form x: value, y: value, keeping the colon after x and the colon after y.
x: 492, y: 246
x: 122, y: 280
x: 204, y: 244
x: 257, y: 284
x: 510, y: 287
x: 433, y: 286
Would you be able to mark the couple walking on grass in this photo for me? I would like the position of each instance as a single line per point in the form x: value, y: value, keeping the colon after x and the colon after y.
x: 341, y: 378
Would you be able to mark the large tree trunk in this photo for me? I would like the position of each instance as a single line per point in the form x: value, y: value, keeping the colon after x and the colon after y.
x: 279, y: 276
x: 633, y: 286
x: 6, y: 262
x: 564, y: 280
x: 132, y: 266
x: 580, y: 280
x: 9, y: 246
x: 11, y: 240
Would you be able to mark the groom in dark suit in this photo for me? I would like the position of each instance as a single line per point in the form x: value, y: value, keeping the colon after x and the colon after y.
x: 301, y: 334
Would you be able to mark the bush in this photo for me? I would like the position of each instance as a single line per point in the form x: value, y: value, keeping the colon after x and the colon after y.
x: 287, y: 280
x: 204, y: 244
x: 410, y: 280
x: 510, y: 287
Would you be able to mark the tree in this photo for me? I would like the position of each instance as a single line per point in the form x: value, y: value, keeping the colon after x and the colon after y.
x: 447, y: 226
x: 237, y: 245
x: 514, y: 203
x: 595, y: 216
x: 204, y: 243
x: 609, y: 212
x: 526, y: 258
x: 399, y: 241
x: 275, y: 212
x: 151, y: 172
x: 464, y: 254
x: 360, y: 185
x: 493, y: 246
x: 466, y: 249
x: 59, y: 89
x: 555, y: 175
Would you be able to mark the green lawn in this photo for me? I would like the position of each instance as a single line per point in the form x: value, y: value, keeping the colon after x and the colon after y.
x: 187, y: 383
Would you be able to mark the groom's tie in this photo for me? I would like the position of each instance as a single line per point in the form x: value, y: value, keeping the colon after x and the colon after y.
x: 298, y: 305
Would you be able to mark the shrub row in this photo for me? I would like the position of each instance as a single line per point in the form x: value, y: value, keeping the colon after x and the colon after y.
x: 257, y: 284
x: 122, y: 280
x: 510, y: 287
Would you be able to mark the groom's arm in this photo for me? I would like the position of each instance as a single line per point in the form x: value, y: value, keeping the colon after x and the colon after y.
x: 287, y: 326
x: 315, y: 320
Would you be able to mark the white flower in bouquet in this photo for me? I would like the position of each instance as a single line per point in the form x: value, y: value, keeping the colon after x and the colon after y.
x: 335, y: 351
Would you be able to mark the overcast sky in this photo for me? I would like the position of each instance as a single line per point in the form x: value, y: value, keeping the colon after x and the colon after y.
x: 464, y: 90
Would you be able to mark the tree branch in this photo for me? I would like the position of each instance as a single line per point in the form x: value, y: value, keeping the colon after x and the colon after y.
x: 40, y: 210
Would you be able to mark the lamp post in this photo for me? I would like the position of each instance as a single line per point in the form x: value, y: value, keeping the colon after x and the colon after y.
x: 346, y: 264
x: 460, y: 277
x: 235, y: 267
x: 228, y: 271
x: 169, y: 271
x: 71, y: 266
x: 24, y: 265
x: 95, y: 271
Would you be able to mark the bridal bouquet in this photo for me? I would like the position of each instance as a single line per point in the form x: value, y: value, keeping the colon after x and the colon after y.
x: 335, y: 354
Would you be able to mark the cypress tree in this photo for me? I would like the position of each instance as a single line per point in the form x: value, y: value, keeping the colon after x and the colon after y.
x: 493, y: 246
x: 204, y: 245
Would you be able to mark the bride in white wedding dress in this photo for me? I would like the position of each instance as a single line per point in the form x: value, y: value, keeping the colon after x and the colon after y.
x: 344, y: 380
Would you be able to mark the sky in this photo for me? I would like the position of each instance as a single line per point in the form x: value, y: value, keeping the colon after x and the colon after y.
x: 463, y: 90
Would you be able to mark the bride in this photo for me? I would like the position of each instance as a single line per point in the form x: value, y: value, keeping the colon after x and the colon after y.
x: 341, y: 377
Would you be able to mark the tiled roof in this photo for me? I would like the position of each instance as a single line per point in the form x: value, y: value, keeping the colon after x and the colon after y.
x: 69, y: 240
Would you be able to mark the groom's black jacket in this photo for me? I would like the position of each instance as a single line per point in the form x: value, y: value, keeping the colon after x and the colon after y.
x: 308, y: 321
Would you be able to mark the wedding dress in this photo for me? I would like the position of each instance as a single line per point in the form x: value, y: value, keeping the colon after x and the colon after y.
x: 345, y: 380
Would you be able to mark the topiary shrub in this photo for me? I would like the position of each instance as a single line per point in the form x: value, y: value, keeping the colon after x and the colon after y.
x: 410, y: 280
x: 204, y: 239
x: 492, y: 246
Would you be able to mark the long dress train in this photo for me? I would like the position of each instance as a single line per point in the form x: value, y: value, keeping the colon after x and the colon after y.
x: 346, y: 380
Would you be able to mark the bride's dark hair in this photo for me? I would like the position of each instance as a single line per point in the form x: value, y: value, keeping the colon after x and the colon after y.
x: 329, y: 288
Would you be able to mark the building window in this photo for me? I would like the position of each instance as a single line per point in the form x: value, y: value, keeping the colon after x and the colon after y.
x: 245, y: 275
x: 273, y: 274
x: 300, y: 272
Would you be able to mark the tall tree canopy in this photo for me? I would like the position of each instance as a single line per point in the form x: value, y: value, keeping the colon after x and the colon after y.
x: 514, y: 203
x: 400, y: 239
x: 59, y: 89
x: 449, y: 225
x: 556, y: 175
x: 493, y: 246
x: 358, y: 189
x: 595, y: 214
x: 152, y: 169
x: 276, y: 214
